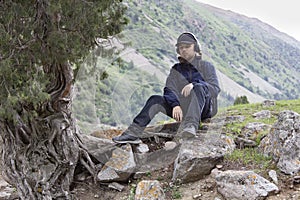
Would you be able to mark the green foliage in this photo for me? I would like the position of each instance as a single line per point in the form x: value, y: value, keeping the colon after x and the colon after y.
x: 37, y: 35
x: 249, y: 156
x: 241, y: 100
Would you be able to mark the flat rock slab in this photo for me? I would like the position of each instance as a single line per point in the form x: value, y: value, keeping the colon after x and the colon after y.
x: 198, y: 156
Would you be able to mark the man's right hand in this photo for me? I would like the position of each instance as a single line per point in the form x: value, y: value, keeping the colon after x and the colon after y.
x: 177, y: 113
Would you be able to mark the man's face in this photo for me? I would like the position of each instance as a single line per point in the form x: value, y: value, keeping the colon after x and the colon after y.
x: 186, y: 51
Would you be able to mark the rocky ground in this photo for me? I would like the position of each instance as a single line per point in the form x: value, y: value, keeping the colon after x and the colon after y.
x: 203, y: 189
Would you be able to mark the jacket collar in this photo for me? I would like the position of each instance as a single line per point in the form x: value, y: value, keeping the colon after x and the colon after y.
x: 184, y: 61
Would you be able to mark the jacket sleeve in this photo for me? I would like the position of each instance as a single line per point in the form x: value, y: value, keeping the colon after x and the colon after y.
x: 170, y: 90
x: 210, y: 77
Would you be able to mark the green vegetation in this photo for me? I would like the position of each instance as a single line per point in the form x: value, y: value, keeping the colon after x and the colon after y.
x: 250, y: 157
x: 248, y: 109
x: 241, y: 100
x: 174, y: 191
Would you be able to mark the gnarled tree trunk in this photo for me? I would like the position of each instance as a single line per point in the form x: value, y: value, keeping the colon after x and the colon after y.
x: 41, y: 152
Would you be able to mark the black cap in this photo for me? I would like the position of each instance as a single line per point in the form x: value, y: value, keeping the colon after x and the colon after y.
x: 186, y: 38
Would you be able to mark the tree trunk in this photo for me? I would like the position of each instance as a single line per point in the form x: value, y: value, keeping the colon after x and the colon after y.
x: 41, y: 152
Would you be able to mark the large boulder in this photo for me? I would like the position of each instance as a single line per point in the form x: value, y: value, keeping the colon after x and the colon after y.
x: 120, y: 166
x: 283, y: 142
x: 198, y: 156
x: 240, y: 185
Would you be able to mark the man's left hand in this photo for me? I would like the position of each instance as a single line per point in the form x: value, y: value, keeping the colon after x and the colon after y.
x: 187, y: 89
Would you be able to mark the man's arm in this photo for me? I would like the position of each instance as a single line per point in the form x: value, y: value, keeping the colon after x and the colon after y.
x: 210, y: 77
x: 171, y: 95
x: 170, y: 90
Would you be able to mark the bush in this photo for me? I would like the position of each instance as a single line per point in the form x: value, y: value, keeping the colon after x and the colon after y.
x: 241, y: 100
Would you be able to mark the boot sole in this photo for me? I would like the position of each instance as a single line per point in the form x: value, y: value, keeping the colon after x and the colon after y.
x: 186, y: 135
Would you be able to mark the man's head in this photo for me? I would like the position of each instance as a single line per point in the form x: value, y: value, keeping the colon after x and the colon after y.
x: 187, y: 45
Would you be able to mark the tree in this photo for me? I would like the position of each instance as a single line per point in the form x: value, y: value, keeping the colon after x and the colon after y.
x: 43, y: 43
x: 241, y: 100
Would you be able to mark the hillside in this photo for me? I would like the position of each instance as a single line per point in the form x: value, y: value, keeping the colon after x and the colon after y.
x: 229, y: 40
x: 252, y: 59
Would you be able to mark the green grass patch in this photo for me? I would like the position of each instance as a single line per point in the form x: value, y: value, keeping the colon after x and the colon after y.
x: 249, y: 156
x: 247, y: 110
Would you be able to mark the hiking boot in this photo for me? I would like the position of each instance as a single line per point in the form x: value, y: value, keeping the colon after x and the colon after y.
x: 126, y: 138
x: 189, y: 131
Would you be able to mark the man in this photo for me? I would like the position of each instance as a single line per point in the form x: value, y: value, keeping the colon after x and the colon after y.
x: 189, y: 96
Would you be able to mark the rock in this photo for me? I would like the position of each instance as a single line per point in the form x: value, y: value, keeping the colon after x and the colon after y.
x: 283, y: 142
x: 116, y: 186
x: 198, y: 156
x: 166, y: 128
x: 214, y: 172
x: 219, y: 166
x: 197, y: 196
x: 99, y: 148
x: 120, y: 166
x: 254, y: 129
x: 250, y: 133
x: 240, y: 185
x: 142, y: 148
x: 139, y: 175
x: 268, y: 103
x: 235, y: 118
x: 170, y: 145
x: 158, y: 159
x: 149, y: 190
x: 243, y: 143
x: 273, y: 176
x: 262, y: 114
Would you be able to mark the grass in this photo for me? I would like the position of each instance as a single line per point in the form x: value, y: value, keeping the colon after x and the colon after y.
x: 174, y: 191
x: 249, y: 157
x: 247, y: 110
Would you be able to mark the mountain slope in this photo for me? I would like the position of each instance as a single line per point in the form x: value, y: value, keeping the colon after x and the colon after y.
x: 251, y: 58
x: 228, y: 39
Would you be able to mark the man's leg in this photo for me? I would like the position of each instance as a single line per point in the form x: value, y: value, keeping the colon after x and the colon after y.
x: 154, y: 105
x: 195, y: 107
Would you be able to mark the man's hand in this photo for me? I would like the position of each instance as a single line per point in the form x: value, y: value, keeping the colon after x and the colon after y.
x: 177, y: 113
x: 186, y: 91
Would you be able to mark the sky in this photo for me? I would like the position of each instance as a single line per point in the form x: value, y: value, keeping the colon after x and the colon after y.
x: 282, y: 15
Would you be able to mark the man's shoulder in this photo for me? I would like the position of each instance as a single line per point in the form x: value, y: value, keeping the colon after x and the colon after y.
x: 176, y: 66
x: 204, y: 64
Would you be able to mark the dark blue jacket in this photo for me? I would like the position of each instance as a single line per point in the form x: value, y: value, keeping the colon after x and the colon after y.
x: 183, y: 73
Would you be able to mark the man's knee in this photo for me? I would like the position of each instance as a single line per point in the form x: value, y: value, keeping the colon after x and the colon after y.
x: 155, y: 99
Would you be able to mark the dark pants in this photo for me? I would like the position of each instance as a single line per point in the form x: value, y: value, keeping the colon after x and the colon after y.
x: 195, y: 107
